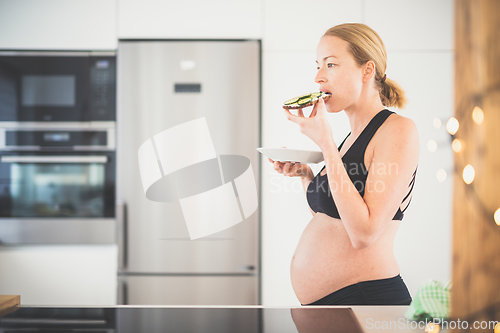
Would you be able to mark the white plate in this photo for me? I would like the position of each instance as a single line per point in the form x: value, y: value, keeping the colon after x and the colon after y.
x: 292, y: 155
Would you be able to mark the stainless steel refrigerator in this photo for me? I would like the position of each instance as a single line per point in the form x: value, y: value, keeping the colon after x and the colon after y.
x: 163, y: 84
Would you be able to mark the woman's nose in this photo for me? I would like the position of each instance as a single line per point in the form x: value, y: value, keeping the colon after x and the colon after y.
x: 320, y: 78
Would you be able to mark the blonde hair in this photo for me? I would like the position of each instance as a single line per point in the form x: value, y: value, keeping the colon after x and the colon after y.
x: 365, y: 45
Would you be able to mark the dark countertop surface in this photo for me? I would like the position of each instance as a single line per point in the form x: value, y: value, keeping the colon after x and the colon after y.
x: 220, y: 319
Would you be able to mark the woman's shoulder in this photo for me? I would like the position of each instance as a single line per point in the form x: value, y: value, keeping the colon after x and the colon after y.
x: 399, y: 126
x: 399, y: 130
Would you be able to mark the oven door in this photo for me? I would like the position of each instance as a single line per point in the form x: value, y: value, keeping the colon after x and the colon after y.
x: 57, y: 86
x: 54, y: 197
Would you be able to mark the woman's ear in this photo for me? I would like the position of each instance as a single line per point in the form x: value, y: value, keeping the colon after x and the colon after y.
x: 368, y: 70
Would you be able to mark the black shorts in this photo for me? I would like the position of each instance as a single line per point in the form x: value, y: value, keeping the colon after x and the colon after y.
x: 390, y: 291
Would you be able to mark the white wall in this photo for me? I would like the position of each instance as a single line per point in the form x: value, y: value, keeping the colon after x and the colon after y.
x: 418, y: 35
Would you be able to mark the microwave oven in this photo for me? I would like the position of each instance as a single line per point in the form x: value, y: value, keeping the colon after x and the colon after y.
x: 69, y: 86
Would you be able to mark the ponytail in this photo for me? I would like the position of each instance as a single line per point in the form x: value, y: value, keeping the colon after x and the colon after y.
x: 391, y: 94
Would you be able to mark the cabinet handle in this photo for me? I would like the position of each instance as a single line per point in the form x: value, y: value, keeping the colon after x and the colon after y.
x: 54, y: 159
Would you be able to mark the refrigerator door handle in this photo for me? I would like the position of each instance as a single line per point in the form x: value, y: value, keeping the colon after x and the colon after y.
x: 122, y: 292
x: 121, y: 225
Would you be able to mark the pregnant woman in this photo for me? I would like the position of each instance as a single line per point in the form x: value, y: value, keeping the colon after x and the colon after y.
x: 345, y: 255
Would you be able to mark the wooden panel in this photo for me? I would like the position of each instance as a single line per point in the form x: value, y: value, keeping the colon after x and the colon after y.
x: 476, y: 237
x: 7, y: 302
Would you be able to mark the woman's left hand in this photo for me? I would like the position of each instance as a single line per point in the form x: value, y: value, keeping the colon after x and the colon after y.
x: 316, y: 126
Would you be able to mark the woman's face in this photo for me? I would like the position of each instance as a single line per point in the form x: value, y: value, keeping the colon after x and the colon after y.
x: 338, y: 73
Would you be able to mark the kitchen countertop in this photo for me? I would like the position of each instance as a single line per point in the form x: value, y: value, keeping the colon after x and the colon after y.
x: 220, y: 319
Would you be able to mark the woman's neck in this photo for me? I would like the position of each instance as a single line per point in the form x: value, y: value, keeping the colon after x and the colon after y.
x: 363, y: 111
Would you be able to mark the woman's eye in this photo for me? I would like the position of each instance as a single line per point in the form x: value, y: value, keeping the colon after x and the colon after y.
x: 330, y: 65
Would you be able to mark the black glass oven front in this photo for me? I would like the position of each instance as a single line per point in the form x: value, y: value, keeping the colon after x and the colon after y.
x: 57, y: 86
x: 51, y: 184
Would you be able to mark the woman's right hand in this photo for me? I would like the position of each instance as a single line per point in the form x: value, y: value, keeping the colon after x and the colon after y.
x: 291, y: 169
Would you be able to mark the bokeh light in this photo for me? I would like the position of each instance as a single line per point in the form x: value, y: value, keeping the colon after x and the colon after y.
x: 452, y: 125
x: 468, y: 174
x: 456, y: 145
x: 432, y: 146
x: 478, y: 115
x: 441, y: 175
x: 437, y: 123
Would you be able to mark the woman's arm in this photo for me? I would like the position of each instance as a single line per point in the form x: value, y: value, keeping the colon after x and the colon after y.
x: 395, y: 157
x: 365, y: 218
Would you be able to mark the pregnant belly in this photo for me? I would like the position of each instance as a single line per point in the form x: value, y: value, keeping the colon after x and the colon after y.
x: 325, y: 260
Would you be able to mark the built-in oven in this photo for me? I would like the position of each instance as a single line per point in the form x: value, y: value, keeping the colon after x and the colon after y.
x: 57, y: 86
x: 57, y: 183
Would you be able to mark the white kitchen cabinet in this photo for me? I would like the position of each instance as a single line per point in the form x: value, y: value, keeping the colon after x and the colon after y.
x: 190, y: 19
x: 412, y: 25
x: 60, y: 275
x: 299, y: 25
x: 58, y: 24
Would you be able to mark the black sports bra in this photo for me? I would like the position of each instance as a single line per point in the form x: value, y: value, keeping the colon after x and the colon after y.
x: 319, y: 196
